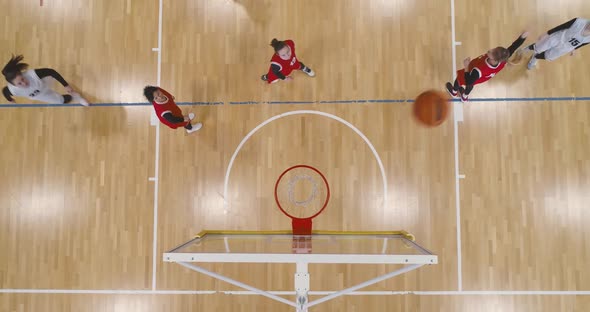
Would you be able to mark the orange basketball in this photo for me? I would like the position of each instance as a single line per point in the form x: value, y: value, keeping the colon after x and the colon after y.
x: 431, y: 108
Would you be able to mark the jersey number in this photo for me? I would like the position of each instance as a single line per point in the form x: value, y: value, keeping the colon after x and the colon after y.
x: 34, y: 93
x: 574, y: 42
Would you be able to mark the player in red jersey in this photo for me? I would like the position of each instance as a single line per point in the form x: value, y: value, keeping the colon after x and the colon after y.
x: 283, y: 62
x: 482, y: 69
x: 167, y: 111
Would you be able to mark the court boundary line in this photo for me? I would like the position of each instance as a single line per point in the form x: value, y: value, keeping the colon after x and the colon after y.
x: 458, y: 115
x: 321, y: 102
x: 290, y: 292
x: 157, y: 156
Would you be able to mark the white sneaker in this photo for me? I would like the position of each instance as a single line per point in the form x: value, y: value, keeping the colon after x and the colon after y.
x: 78, y: 98
x: 532, y: 62
x: 195, y: 127
x: 191, y: 116
x: 309, y: 72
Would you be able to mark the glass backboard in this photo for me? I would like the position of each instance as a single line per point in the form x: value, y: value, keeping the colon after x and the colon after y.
x: 395, y: 247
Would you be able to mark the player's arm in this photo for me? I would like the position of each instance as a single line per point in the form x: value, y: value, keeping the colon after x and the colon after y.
x: 173, y: 119
x: 276, y: 69
x: 46, y: 72
x: 472, y: 75
x: 518, y: 42
x: 563, y: 26
x: 8, y: 95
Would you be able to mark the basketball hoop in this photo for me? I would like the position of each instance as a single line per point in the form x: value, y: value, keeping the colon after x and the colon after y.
x: 302, y: 193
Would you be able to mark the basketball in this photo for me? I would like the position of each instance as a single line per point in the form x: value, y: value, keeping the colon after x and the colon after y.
x: 431, y: 108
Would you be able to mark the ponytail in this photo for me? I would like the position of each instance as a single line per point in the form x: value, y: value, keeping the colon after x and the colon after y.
x: 277, y: 45
x: 14, y: 68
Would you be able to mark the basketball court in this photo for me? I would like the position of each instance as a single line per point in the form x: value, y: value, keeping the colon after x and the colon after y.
x: 97, y: 204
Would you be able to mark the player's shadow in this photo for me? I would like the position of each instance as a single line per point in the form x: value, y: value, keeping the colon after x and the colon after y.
x: 516, y: 71
x: 208, y: 134
x: 102, y: 121
x: 98, y: 120
x: 258, y: 10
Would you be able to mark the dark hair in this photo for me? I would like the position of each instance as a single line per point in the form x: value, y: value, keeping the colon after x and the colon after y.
x: 14, y: 68
x: 501, y: 54
x: 277, y: 45
x: 148, y: 92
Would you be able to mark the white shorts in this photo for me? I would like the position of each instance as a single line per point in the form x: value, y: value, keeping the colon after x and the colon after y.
x: 554, y: 46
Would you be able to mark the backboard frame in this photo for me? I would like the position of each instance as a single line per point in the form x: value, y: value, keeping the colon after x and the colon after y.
x: 426, y: 257
x: 301, y: 260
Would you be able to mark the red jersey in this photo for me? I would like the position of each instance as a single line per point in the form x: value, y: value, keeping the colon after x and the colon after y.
x: 486, y: 71
x: 287, y: 66
x: 168, y: 107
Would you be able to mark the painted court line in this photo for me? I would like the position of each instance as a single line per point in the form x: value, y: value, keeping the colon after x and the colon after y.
x: 327, y: 292
x: 458, y: 116
x: 198, y: 103
x: 157, y: 156
x: 302, y: 112
x: 474, y: 100
x: 244, y: 103
x: 291, y: 102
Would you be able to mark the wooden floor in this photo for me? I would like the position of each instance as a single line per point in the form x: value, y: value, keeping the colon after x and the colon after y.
x: 77, y: 209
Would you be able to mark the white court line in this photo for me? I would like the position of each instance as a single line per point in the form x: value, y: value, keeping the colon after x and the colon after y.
x: 156, y: 187
x: 301, y: 112
x: 159, y: 75
x: 458, y: 206
x: 327, y: 292
x: 456, y: 143
x: 107, y: 292
x: 431, y: 293
x: 157, y: 158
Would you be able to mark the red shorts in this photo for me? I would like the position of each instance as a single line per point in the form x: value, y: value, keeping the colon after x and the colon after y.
x: 271, y: 77
x: 173, y: 125
x: 461, y: 77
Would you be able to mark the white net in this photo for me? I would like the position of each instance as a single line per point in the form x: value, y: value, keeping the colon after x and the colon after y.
x: 301, y: 192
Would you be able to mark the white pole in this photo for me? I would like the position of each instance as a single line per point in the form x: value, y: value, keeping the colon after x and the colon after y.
x: 236, y: 283
x: 365, y: 284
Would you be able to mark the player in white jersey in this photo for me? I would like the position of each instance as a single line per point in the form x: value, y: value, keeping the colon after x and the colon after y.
x: 561, y: 40
x: 34, y: 84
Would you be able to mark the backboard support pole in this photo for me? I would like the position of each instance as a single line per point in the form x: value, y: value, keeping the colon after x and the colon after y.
x: 237, y: 283
x: 301, y: 286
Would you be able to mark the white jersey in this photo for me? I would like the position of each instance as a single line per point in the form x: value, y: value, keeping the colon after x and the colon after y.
x: 564, y: 41
x: 574, y: 36
x: 38, y: 89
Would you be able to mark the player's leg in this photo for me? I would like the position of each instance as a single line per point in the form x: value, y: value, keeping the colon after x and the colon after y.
x: 52, y: 97
x: 546, y: 42
x: 453, y: 89
x: 306, y: 70
x: 55, y: 97
x: 270, y: 77
x: 464, y: 92
x: 78, y: 98
x: 558, y: 51
x: 190, y: 128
